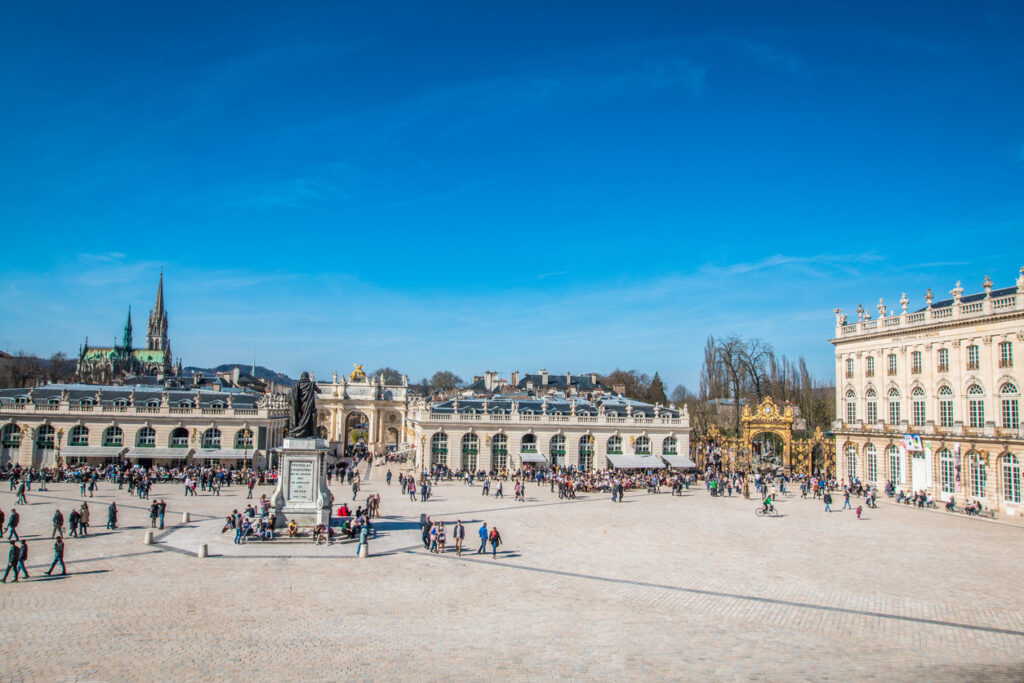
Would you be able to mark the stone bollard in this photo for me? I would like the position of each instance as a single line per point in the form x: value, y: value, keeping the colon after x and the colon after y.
x: 365, y: 550
x: 149, y: 538
x: 186, y: 517
x: 204, y: 551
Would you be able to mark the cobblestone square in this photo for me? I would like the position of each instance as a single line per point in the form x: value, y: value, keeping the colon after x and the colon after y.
x: 656, y: 587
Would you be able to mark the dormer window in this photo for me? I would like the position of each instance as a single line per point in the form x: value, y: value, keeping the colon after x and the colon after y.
x: 87, y: 402
x: 21, y: 400
x: 152, y: 403
x: 54, y: 402
x: 121, y: 403
x: 184, y: 404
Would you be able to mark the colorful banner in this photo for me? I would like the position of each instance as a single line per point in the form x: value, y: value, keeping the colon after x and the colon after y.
x: 912, y: 442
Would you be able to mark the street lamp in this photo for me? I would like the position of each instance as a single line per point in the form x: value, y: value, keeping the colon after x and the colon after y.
x: 60, y: 437
x: 246, y: 435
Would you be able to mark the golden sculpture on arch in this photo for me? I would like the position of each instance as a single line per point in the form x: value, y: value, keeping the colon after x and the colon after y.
x: 798, y: 455
x: 358, y: 373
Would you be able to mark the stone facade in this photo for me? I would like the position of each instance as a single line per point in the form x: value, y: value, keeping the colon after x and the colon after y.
x: 947, y: 373
x: 503, y: 433
x: 97, y: 424
x: 383, y: 405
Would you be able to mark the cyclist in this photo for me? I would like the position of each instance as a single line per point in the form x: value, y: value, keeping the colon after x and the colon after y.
x: 766, y: 504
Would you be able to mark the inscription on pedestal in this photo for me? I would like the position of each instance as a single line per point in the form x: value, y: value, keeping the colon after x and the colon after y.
x: 300, y: 480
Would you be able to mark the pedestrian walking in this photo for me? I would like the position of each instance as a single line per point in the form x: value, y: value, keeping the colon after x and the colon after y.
x: 483, y: 539
x: 161, y: 511
x: 827, y: 497
x: 22, y: 559
x: 459, y: 534
x: 846, y: 501
x: 21, y: 494
x: 83, y: 519
x: 12, y: 525
x: 13, y: 558
x: 860, y: 509
x: 58, y: 556
x: 495, y: 541
x: 112, y: 516
x: 58, y: 524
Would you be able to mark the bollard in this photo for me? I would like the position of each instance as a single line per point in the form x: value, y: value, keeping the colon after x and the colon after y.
x: 149, y: 538
x: 185, y: 518
x: 204, y: 551
x: 365, y: 550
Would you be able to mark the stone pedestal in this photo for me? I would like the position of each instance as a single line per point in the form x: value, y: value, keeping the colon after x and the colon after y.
x: 302, y: 494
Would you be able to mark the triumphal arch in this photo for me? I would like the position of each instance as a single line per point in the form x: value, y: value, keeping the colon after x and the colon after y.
x: 359, y: 410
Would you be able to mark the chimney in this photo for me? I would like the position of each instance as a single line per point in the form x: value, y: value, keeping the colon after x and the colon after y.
x: 568, y: 380
x: 619, y: 388
x: 593, y: 378
x: 543, y: 377
x: 515, y: 378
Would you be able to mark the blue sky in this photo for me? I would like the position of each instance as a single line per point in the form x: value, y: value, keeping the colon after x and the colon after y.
x: 479, y: 186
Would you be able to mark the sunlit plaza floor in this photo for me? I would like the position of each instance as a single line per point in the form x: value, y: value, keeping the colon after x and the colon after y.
x: 654, y: 587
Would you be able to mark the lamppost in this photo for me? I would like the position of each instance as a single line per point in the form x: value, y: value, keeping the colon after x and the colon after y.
x: 60, y: 437
x: 246, y: 435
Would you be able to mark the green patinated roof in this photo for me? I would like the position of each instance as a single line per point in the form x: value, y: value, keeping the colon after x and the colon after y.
x: 144, y: 355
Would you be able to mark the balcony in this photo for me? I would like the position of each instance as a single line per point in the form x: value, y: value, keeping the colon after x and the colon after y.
x: 1006, y: 363
x: 943, y: 367
x: 892, y: 372
x: 915, y: 370
x: 973, y: 365
x: 849, y: 374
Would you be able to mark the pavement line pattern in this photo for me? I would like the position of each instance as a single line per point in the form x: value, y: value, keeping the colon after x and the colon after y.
x: 734, y: 596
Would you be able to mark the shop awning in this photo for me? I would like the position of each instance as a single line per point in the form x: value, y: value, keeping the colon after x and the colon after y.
x: 226, y: 453
x: 631, y: 461
x: 91, y: 451
x: 680, y: 461
x: 170, y: 453
x: 533, y: 457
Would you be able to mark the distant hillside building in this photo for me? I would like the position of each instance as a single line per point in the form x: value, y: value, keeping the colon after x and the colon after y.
x: 115, y: 364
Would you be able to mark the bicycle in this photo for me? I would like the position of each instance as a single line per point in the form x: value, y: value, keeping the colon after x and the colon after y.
x: 771, y: 512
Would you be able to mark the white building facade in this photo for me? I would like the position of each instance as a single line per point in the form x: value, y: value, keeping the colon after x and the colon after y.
x: 504, y: 434
x: 78, y: 423
x: 948, y: 374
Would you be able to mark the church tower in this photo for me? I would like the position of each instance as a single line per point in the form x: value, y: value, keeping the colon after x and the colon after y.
x: 156, y: 336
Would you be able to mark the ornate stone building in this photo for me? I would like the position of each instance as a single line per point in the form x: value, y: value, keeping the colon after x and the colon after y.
x: 377, y: 410
x: 945, y: 376
x: 506, y: 432
x: 121, y: 362
x: 148, y: 425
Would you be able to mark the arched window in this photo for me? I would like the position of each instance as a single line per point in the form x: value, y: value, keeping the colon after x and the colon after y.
x: 11, y: 436
x: 851, y: 406
x: 146, y: 437
x: 872, y: 398
x: 557, y: 445
x: 87, y: 402
x: 947, y: 474
x: 243, y: 439
x: 499, y: 452
x: 976, y: 406
x: 45, y: 436
x: 918, y: 405
x: 669, y: 445
x: 1009, y: 408
x: 439, y: 444
x: 53, y: 401
x: 851, y: 462
x: 121, y: 403
x: 872, y: 457
x: 179, y: 438
x: 113, y: 436
x: 1011, y: 478
x: 945, y: 407
x: 211, y: 438
x: 979, y: 477
x: 79, y: 436
x: 894, y: 406
x: 895, y: 464
x: 642, y: 445
x: 528, y: 444
x: 470, y: 448
x: 615, y: 445
x: 586, y: 451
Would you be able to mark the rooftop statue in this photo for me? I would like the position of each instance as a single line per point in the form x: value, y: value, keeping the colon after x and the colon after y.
x: 302, y: 408
x: 358, y: 373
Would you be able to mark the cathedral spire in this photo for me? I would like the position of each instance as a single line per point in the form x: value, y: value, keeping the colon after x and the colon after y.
x: 126, y: 342
x: 158, y: 308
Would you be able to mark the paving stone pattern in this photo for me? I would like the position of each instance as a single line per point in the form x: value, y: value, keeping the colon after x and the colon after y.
x: 657, y: 587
